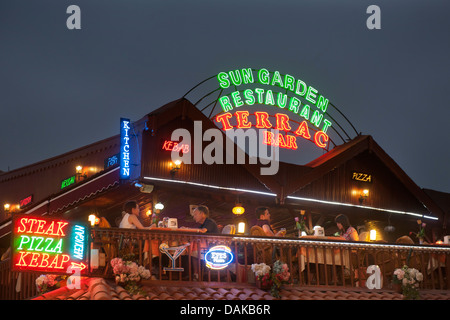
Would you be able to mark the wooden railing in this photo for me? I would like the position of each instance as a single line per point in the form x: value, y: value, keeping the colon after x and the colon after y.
x: 311, y: 262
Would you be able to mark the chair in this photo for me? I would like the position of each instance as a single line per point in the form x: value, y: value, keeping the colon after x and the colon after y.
x: 364, y: 236
x: 229, y: 229
x: 263, y: 251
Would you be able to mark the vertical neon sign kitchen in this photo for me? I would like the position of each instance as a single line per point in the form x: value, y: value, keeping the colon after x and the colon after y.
x: 124, y: 148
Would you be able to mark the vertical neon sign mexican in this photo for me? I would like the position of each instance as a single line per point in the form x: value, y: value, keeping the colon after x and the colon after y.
x: 124, y: 148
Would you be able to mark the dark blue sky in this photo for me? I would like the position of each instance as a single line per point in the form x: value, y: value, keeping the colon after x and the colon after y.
x: 62, y: 89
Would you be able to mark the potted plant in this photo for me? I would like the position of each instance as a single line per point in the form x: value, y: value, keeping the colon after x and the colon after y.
x: 271, y: 278
x: 407, y: 281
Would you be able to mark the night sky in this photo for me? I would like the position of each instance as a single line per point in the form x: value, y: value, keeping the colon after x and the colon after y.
x: 62, y: 89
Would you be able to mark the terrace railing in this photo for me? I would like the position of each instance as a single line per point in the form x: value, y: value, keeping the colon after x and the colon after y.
x: 311, y: 262
x: 316, y: 262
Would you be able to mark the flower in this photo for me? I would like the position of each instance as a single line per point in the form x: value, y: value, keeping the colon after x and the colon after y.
x: 48, y: 282
x: 409, y: 278
x: 272, y: 277
x: 421, y: 234
x: 129, y: 273
x: 301, y: 225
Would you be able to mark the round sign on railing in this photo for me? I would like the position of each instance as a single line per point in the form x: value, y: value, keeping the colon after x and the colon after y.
x: 218, y: 257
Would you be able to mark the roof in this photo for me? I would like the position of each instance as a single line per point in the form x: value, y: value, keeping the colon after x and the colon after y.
x: 103, y: 289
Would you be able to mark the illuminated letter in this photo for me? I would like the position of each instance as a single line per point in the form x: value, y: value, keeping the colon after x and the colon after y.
x: 237, y: 99
x: 289, y: 82
x: 300, y: 83
x: 22, y: 262
x: 65, y: 258
x: 22, y: 242
x: 60, y: 231
x: 223, y: 80
x: 40, y: 227
x: 50, y: 228
x: 58, y: 249
x: 260, y: 93
x: 277, y: 79
x: 33, y: 261
x: 47, y: 248
x: 32, y: 222
x: 269, y: 98
x: 281, y: 100
x: 263, y: 76
x: 280, y: 141
x: 291, y: 142
x: 320, y: 139
x: 294, y: 105
x: 374, y: 21
x: 247, y: 75
x: 22, y: 228
x: 303, y: 130
x: 282, y: 122
x: 249, y: 98
x: 45, y: 257
x: 225, y: 103
x: 322, y: 103
x: 242, y: 119
x: 37, y: 246
x: 54, y: 263
x: 316, y: 118
x: 224, y: 119
x: 235, y: 77
x: 311, y: 95
x: 326, y: 125
x: 262, y: 120
x: 268, y: 137
x: 305, y: 112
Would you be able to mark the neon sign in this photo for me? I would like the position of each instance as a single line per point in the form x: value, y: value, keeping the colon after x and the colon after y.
x: 48, y: 245
x: 124, y: 148
x: 169, y: 145
x: 314, y: 104
x: 218, y: 257
x: 284, y: 92
x: 281, y: 123
x: 111, y: 161
x: 67, y: 182
x: 26, y: 201
x: 359, y: 176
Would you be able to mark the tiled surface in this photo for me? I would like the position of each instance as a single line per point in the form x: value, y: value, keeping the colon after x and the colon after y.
x: 101, y: 289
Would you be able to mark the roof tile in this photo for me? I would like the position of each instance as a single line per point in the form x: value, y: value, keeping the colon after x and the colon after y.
x: 101, y: 289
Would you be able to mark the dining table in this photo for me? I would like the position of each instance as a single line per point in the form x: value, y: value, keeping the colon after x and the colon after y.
x: 156, y: 243
x: 324, y: 256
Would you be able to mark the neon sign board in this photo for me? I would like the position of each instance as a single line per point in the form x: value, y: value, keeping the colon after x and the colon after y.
x: 48, y: 245
x: 26, y: 201
x: 286, y: 93
x: 359, y: 176
x: 124, y: 148
x: 169, y: 145
x: 68, y: 182
x: 218, y: 257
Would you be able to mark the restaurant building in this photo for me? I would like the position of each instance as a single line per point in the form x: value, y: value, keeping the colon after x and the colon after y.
x: 357, y: 178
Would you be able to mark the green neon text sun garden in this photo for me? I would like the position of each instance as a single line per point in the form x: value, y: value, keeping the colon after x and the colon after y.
x: 285, y: 92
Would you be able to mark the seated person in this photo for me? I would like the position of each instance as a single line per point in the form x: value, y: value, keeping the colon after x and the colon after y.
x: 345, y: 229
x: 130, y: 216
x: 201, y: 216
x: 263, y: 221
x: 207, y: 226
